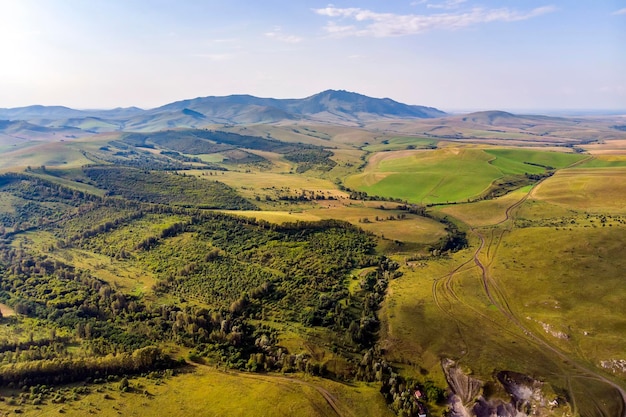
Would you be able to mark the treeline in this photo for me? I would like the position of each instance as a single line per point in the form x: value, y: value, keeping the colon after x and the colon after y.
x: 62, y: 371
x: 454, y: 240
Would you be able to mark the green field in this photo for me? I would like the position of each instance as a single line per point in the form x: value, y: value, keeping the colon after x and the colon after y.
x: 450, y: 174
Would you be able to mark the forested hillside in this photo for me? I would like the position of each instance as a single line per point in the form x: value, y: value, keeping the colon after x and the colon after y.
x: 223, y: 287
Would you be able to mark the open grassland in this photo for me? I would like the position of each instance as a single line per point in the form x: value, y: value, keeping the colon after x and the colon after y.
x: 427, y: 176
x: 609, y: 147
x: 65, y: 154
x: 267, y: 180
x: 485, y: 212
x: 205, y: 391
x: 520, y: 161
x: 311, y: 135
x: 596, y: 190
x: 419, y: 330
x: 502, y: 128
x: 612, y: 160
x: 549, y: 313
x: 451, y: 174
x: 566, y: 283
x: 410, y: 229
x: 338, y: 135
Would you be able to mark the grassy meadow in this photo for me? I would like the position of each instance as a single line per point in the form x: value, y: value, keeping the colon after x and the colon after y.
x: 589, y: 189
x: 206, y: 391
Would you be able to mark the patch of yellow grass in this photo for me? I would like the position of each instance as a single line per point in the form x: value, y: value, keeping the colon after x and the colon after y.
x: 259, y: 180
x: 414, y: 229
x: 609, y: 147
x: 208, y: 392
x: 278, y: 217
x: 600, y: 189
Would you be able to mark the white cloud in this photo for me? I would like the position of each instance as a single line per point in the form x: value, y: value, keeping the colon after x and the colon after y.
x: 390, y: 24
x: 278, y: 35
x: 448, y: 4
x: 620, y: 11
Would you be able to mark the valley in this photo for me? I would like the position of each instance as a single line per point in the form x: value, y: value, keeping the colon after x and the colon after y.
x: 332, y: 255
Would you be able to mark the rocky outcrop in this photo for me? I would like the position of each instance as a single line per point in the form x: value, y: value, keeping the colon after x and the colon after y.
x: 526, y: 396
x: 465, y: 389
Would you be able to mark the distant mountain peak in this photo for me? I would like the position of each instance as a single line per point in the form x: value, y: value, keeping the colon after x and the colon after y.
x: 329, y: 106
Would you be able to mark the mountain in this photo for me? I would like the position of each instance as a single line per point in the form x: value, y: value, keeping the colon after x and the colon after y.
x: 61, y: 112
x: 347, y: 104
x: 20, y: 131
x: 331, y: 106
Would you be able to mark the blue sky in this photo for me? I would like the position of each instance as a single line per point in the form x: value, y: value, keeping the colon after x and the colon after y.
x: 450, y: 54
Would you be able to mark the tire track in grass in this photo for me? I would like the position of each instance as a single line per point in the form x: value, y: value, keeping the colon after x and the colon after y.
x: 498, y: 299
x: 330, y: 399
x: 443, y: 288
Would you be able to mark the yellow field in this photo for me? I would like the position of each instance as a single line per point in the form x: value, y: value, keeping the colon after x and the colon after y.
x: 260, y: 180
x: 414, y: 229
x: 609, y: 147
x: 602, y: 189
x: 207, y: 392
x: 277, y: 217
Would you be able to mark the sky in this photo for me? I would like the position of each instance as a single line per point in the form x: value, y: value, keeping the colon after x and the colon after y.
x: 449, y: 54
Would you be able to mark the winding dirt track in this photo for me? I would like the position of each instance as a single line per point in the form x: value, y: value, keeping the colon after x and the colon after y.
x: 447, y: 299
x: 332, y: 401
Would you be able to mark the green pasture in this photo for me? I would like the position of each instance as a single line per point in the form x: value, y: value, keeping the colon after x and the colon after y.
x: 213, y: 157
x: 450, y: 174
x: 520, y: 161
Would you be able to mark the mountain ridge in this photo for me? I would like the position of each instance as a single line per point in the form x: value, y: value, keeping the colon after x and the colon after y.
x: 336, y: 106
